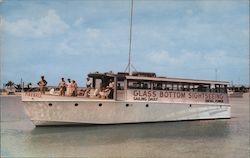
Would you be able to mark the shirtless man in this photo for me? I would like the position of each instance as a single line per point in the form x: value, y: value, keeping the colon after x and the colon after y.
x: 42, y: 83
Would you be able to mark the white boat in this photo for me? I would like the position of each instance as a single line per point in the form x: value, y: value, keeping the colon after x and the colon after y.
x: 140, y: 97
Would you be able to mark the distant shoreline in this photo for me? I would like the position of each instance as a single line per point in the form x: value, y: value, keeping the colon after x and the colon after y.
x: 15, y: 94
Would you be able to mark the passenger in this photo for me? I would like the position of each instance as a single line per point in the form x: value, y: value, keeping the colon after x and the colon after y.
x: 159, y: 86
x: 98, y: 90
x: 74, y: 88
x: 104, y: 93
x: 52, y: 91
x: 42, y: 84
x: 88, y: 83
x: 119, y: 86
x: 62, y: 87
x: 111, y: 88
x: 138, y: 86
x: 145, y: 86
x: 81, y: 92
x: 88, y: 86
x: 69, y: 91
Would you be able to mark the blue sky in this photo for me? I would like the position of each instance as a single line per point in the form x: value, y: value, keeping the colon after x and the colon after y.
x: 183, y: 38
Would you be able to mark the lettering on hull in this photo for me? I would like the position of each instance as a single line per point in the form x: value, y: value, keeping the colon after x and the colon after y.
x: 151, y: 95
x: 33, y: 94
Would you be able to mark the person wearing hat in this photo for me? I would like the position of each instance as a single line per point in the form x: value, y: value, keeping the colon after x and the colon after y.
x: 42, y: 84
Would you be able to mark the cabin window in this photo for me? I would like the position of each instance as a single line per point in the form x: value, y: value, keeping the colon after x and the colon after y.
x: 180, y: 86
x: 135, y: 84
x: 200, y: 88
x: 120, y: 85
x: 164, y: 85
x: 225, y: 88
x: 186, y: 87
x: 169, y: 86
x: 146, y: 85
x: 206, y: 88
x: 221, y: 88
x: 191, y: 87
x: 195, y: 87
x: 212, y: 88
x: 158, y: 85
x: 175, y: 86
x: 132, y: 84
x: 217, y: 88
x: 203, y: 88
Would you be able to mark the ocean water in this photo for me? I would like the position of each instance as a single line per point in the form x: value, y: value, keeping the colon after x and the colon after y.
x: 224, y: 138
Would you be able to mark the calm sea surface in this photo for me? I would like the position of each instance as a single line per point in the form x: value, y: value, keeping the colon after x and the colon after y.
x: 225, y: 138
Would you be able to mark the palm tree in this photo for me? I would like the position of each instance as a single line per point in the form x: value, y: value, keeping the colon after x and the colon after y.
x: 10, y: 84
x: 28, y: 85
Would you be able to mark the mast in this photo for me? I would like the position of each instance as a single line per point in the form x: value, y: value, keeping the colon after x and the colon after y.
x: 128, y: 68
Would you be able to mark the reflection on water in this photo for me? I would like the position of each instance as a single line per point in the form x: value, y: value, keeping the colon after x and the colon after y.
x: 116, y: 136
x: 113, y: 134
x: 208, y: 138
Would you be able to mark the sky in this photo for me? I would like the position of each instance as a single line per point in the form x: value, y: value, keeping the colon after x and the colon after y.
x: 194, y: 39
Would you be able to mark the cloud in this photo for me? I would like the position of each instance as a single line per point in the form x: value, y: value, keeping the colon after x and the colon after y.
x: 87, y: 41
x: 189, y: 12
x: 185, y: 58
x: 65, y: 48
x: 161, y: 57
x: 218, y: 6
x: 93, y: 33
x: 1, y: 23
x: 245, y: 33
x: 78, y: 22
x: 48, y: 25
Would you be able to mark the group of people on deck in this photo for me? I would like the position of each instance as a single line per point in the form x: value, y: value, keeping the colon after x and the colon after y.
x: 103, y: 91
x: 70, y: 88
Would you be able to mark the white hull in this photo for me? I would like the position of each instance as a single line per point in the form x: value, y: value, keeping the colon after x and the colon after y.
x: 78, y: 110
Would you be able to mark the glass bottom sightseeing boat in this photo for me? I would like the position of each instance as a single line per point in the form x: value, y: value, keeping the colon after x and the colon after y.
x: 139, y: 97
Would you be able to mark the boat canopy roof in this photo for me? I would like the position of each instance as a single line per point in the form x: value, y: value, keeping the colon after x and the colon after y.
x: 101, y: 75
x: 168, y: 79
x: 151, y: 77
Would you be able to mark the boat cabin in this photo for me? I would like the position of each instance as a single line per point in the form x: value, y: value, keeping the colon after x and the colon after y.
x: 144, y: 86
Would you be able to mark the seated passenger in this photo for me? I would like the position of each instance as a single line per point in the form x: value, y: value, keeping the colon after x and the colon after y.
x: 159, y: 86
x: 96, y: 92
x: 52, y: 91
x: 104, y: 94
x: 111, y: 88
x: 145, y: 86
x: 81, y: 92
x: 119, y: 86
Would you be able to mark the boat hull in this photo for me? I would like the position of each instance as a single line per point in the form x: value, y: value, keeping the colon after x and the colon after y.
x: 117, y: 112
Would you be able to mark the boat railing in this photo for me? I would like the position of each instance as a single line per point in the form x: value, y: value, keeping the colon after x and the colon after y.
x: 92, y: 93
